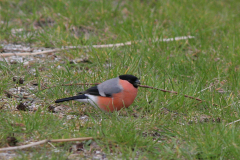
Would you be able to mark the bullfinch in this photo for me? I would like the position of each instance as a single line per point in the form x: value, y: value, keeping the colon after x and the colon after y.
x: 111, y: 95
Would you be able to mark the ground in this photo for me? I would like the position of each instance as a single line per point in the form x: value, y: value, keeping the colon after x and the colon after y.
x: 158, y: 124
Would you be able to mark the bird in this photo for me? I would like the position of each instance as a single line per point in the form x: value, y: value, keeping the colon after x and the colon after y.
x: 110, y: 95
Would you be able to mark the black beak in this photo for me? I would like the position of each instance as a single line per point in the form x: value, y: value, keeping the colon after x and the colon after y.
x: 137, y: 83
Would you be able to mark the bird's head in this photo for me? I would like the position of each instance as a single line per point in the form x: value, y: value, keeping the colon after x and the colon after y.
x: 131, y: 79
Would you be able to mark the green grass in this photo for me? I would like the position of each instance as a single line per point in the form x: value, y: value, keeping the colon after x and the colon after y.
x: 145, y: 130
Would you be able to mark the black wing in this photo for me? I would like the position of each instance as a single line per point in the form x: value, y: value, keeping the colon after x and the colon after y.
x: 92, y: 91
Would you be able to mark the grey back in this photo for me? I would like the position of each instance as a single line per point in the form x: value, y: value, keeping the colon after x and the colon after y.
x: 109, y: 87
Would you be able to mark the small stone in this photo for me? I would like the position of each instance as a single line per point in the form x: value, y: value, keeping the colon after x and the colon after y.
x: 12, y: 141
x: 22, y: 107
x: 34, y: 83
x: 18, y: 80
x: 8, y: 95
x: 51, y: 109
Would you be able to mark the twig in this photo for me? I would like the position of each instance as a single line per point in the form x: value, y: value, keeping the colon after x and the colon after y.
x: 145, y: 86
x: 71, y: 139
x: 232, y: 122
x: 31, y: 53
x: 24, y: 146
x: 52, y: 145
x: 173, y: 39
x: 94, y: 46
x: 44, y: 141
x: 19, y: 50
x: 174, y: 92
x: 205, y: 88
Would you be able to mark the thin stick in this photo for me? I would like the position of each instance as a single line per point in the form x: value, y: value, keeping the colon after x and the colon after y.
x: 30, y: 53
x: 174, y: 92
x: 94, y: 46
x: 71, y: 139
x: 232, y: 122
x: 19, y: 50
x: 145, y: 86
x: 44, y: 141
x: 24, y: 146
x: 205, y: 88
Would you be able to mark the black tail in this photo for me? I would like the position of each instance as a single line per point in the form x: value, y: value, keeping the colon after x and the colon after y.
x: 82, y: 96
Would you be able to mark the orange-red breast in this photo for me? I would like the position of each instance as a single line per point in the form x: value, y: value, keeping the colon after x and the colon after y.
x: 113, y: 94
